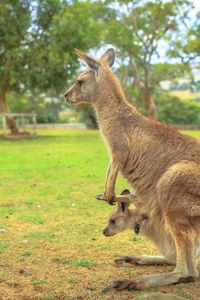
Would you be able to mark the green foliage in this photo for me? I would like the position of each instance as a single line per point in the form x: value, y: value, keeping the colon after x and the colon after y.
x: 87, y: 115
x: 174, y: 110
x: 45, y: 106
x: 186, y: 44
x: 137, y: 31
x: 167, y: 71
x: 75, y: 25
x: 15, y: 20
x: 47, y: 118
x: 37, y: 41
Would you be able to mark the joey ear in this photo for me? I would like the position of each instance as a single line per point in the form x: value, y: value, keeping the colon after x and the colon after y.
x: 124, y: 206
x: 92, y: 63
x: 109, y: 57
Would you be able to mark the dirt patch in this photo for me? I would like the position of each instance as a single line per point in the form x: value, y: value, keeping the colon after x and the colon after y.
x: 19, y: 136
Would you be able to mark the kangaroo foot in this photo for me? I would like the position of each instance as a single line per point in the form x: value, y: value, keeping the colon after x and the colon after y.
x: 144, y: 282
x: 127, y: 259
x: 144, y: 260
x: 119, y: 286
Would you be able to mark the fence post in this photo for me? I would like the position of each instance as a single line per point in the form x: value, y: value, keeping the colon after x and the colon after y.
x: 4, y: 125
x: 34, y: 123
x: 23, y: 123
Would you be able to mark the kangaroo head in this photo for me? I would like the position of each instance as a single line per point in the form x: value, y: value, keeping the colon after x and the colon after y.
x: 118, y: 220
x: 91, y: 82
x: 123, y: 218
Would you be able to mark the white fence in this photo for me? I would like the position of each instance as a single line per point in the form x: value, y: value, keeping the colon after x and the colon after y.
x: 59, y: 126
x: 22, y: 121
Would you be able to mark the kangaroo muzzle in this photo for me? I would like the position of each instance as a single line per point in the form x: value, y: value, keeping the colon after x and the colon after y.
x: 68, y: 97
x: 106, y: 232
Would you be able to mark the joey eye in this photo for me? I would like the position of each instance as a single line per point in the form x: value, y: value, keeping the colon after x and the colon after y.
x: 112, y: 221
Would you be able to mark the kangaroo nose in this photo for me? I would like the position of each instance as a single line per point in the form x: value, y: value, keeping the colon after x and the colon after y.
x: 104, y: 232
x: 137, y: 229
x: 66, y: 94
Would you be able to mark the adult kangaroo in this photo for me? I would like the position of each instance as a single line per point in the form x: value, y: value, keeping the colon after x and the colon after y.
x: 161, y: 164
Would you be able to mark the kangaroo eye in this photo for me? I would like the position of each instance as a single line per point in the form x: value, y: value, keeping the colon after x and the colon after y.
x: 80, y: 82
x: 112, y: 221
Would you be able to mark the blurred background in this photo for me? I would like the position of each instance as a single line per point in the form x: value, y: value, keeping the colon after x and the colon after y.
x: 158, y: 56
x: 51, y: 241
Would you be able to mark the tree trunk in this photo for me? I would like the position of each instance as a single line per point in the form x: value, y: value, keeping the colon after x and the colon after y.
x: 145, y: 91
x: 5, y: 108
x: 150, y: 106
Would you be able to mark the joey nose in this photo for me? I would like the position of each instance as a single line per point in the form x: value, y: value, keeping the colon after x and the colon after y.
x: 104, y: 232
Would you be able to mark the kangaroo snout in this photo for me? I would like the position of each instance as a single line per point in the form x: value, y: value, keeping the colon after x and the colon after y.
x: 67, y: 97
x: 105, y: 232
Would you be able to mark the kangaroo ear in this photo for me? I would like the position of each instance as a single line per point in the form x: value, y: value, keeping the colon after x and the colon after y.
x: 124, y: 206
x: 125, y: 192
x: 92, y: 63
x: 109, y: 57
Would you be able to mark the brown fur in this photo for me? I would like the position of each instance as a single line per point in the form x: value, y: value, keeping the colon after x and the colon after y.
x: 152, y: 226
x: 161, y: 164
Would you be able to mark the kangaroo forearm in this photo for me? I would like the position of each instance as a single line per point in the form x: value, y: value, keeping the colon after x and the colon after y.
x: 111, y: 178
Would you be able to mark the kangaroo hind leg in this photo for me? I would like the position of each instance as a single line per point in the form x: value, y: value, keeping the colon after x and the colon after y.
x: 179, y: 190
x: 186, y: 269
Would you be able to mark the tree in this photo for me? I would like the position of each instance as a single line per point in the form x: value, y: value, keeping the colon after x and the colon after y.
x: 186, y: 45
x: 74, y: 25
x: 37, y: 41
x: 15, y: 20
x: 137, y: 31
x: 79, y: 25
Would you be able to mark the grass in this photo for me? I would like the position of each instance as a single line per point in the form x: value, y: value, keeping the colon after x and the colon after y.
x: 51, y: 245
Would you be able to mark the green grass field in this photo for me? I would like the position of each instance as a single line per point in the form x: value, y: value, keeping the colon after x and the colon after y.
x: 51, y: 241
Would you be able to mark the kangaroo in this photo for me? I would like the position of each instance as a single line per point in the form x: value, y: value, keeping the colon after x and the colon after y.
x: 161, y: 165
x: 123, y: 218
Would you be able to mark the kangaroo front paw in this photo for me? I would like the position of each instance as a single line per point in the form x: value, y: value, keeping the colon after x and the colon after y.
x: 110, y: 198
x: 119, y: 286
